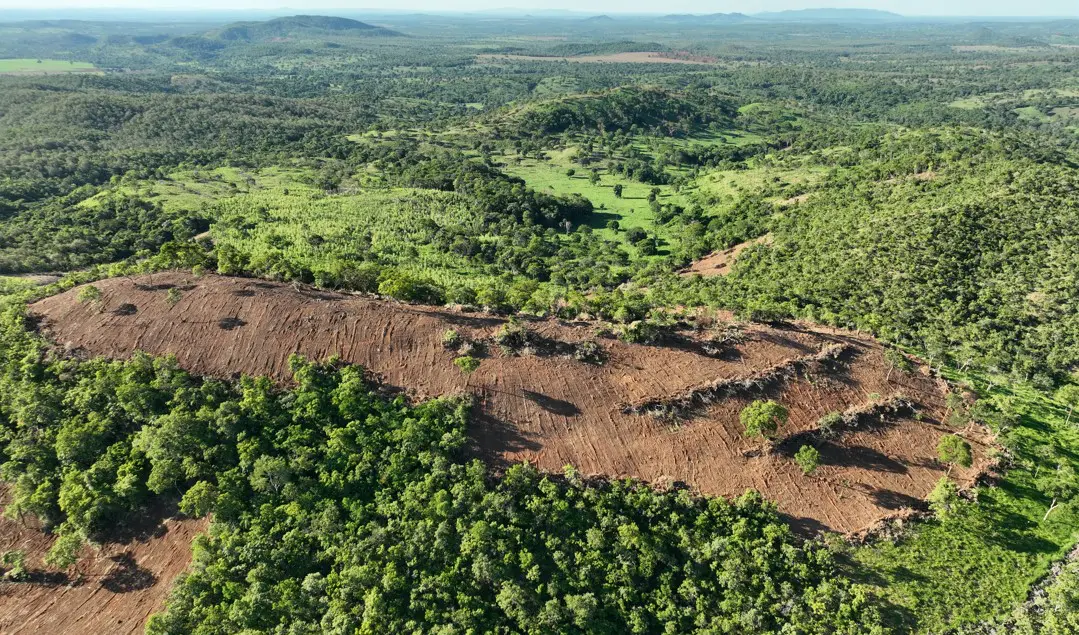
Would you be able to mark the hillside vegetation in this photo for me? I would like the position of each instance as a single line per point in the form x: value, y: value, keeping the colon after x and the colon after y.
x: 912, y: 180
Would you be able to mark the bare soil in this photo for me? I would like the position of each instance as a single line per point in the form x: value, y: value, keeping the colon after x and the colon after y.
x: 551, y: 410
x: 719, y: 263
x: 113, y: 589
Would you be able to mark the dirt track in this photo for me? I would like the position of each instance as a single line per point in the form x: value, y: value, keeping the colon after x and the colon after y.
x: 553, y: 410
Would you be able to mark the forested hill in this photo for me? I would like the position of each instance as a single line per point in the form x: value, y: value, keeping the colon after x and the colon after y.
x: 299, y: 24
x: 625, y: 109
x: 958, y: 244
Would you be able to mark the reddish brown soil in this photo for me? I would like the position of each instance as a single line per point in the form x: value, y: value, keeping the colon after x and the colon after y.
x: 719, y: 263
x: 111, y: 590
x: 554, y: 410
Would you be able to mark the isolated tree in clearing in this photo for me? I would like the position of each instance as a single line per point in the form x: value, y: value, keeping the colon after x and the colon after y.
x: 763, y: 418
x: 467, y: 364
x: 953, y: 450
x: 89, y: 295
x: 807, y: 458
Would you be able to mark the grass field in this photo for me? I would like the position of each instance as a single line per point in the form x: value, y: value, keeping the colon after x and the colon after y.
x: 715, y: 190
x: 43, y: 66
x: 982, y: 562
x: 305, y: 225
x: 194, y: 189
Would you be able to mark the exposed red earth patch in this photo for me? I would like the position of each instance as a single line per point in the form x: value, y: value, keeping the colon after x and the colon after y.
x: 111, y: 590
x: 553, y: 410
x: 719, y: 263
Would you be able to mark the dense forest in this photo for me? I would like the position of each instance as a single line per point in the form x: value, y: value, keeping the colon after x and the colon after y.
x: 912, y: 180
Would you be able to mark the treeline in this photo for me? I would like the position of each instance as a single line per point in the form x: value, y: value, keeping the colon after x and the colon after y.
x: 338, y: 510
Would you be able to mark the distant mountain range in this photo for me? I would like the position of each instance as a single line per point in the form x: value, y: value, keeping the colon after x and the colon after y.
x: 801, y: 15
x: 712, y: 18
x: 830, y: 15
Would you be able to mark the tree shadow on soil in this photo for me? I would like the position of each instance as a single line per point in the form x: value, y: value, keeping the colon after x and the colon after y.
x: 127, y: 576
x: 490, y: 438
x: 861, y: 457
x: 230, y: 323
x: 890, y: 499
x: 552, y: 405
x: 803, y: 527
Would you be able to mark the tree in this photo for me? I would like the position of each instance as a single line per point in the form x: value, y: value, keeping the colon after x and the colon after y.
x: 635, y: 235
x: 763, y: 418
x: 1069, y: 396
x: 594, y: 178
x: 618, y: 190
x: 807, y: 458
x: 570, y: 172
x: 270, y: 474
x: 954, y: 450
x: 1062, y: 485
x: 944, y: 499
x: 89, y: 295
x: 896, y: 360
x: 15, y: 561
x: 65, y: 551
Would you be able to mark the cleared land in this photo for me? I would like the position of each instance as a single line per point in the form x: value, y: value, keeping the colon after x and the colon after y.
x: 553, y: 410
x: 114, y: 589
x: 720, y: 262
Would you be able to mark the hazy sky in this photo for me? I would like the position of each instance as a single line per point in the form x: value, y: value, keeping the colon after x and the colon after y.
x: 906, y: 7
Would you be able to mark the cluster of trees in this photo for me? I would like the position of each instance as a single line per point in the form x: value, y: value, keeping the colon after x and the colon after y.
x: 971, y: 262
x: 630, y: 109
x: 338, y: 510
x: 72, y: 232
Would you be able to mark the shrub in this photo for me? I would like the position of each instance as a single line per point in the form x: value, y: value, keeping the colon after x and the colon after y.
x: 173, y: 297
x: 467, y: 364
x: 513, y: 338
x: 451, y: 339
x: 15, y: 561
x: 828, y: 425
x: 589, y: 352
x: 89, y: 295
x: 807, y: 458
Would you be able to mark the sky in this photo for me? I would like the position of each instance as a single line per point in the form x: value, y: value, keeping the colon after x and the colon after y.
x: 905, y: 7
